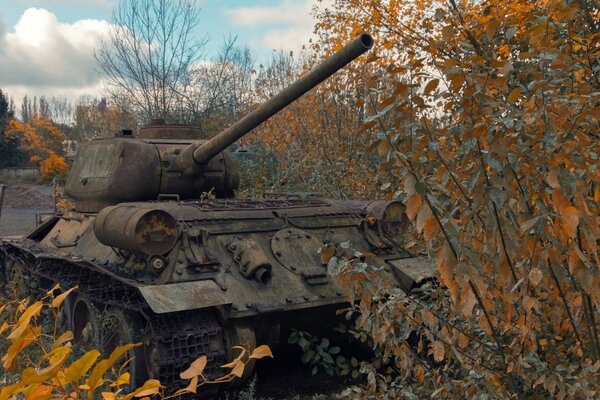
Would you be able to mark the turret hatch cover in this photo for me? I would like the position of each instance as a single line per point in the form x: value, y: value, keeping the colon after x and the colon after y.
x: 298, y: 252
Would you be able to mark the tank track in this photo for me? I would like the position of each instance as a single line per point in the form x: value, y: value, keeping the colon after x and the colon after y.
x: 175, y: 339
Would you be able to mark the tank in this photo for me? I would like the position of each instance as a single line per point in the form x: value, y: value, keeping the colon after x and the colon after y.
x: 155, y: 260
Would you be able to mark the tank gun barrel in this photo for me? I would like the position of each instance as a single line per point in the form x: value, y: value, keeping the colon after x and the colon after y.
x: 205, y: 152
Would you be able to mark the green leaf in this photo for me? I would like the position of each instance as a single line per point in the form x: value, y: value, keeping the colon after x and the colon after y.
x: 303, y: 343
x: 307, y: 356
x: 324, y: 343
x: 293, y: 339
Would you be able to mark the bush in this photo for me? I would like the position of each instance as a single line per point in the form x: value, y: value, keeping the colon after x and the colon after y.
x: 42, y: 362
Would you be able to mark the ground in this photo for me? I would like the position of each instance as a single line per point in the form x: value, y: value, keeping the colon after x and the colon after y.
x: 22, y: 203
x: 285, y: 377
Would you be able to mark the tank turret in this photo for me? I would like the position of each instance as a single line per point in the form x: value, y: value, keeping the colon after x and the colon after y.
x: 166, y: 160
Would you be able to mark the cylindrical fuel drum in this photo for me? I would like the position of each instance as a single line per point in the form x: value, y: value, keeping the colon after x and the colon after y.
x: 140, y: 230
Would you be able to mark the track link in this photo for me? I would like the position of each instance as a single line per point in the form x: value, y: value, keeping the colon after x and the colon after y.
x: 171, y: 341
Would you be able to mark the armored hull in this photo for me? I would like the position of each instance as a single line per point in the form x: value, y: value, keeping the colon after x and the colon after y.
x: 236, y: 270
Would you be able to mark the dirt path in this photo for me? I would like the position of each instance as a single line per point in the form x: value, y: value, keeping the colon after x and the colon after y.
x: 21, y: 205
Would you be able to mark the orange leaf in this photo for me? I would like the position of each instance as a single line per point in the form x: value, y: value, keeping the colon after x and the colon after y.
x: 413, y: 206
x: 327, y: 252
x: 423, y: 217
x: 535, y: 276
x: 570, y: 220
x: 491, y: 27
x: 514, y: 95
x: 431, y: 86
x: 384, y: 148
x: 261, y: 352
x: 437, y: 350
x: 552, y: 178
x: 58, y: 300
x: 195, y: 369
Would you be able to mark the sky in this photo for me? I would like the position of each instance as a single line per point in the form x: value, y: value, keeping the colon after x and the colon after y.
x: 46, y: 46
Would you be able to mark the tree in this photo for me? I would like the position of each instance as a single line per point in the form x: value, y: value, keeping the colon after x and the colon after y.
x: 149, y: 52
x: 484, y: 109
x: 323, y: 123
x: 99, y: 117
x: 220, y: 89
x: 10, y: 152
x: 42, y: 141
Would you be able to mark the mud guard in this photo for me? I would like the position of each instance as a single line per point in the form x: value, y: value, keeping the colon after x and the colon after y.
x: 412, y: 272
x: 184, y: 296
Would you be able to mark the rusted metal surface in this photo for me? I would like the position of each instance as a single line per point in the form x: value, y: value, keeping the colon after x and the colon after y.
x: 139, y: 230
x: 158, y: 129
x: 251, y: 259
x: 183, y: 296
x: 414, y: 271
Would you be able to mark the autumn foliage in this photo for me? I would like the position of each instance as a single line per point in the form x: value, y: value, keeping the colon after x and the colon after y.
x: 42, y: 140
x: 487, y: 116
x: 45, y: 364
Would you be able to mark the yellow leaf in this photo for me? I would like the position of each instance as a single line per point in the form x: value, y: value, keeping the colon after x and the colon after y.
x: 100, y: 369
x: 238, y: 370
x: 124, y: 379
x: 39, y: 393
x: 108, y: 396
x: 58, y: 300
x: 261, y: 352
x: 431, y: 86
x: 9, y: 358
x: 149, y: 388
x: 81, y: 366
x: 192, y: 387
x: 23, y: 321
x: 65, y: 337
x: 195, y: 369
x: 514, y: 95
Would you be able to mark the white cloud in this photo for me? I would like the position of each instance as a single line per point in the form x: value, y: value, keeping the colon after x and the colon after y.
x: 44, y: 56
x: 287, y: 25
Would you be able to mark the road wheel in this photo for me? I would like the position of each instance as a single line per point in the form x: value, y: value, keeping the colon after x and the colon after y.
x: 119, y: 328
x: 85, y: 323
